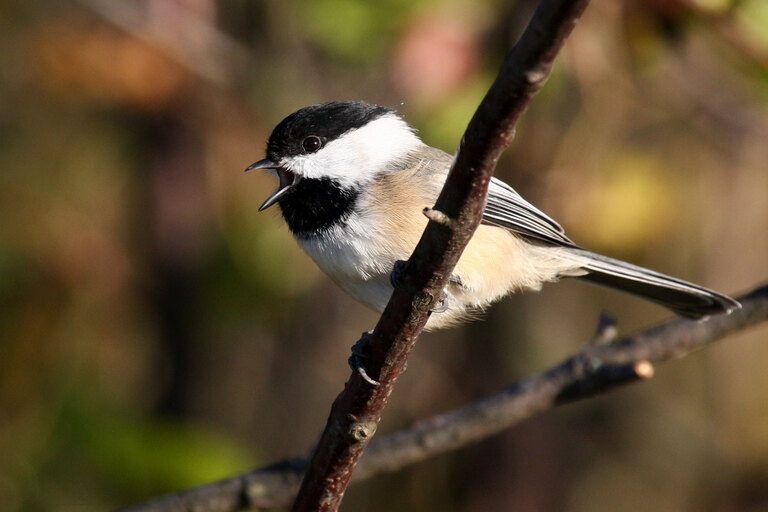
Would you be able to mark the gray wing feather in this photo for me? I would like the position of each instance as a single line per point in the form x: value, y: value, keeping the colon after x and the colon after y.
x: 506, y: 208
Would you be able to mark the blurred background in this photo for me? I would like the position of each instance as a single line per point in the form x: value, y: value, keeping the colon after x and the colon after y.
x: 157, y: 332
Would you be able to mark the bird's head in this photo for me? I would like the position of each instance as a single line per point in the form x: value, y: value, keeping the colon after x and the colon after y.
x: 348, y: 143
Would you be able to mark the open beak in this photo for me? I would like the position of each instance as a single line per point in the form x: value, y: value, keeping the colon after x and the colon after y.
x: 287, y: 180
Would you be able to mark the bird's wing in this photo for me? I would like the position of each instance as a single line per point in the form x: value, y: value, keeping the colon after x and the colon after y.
x: 506, y: 208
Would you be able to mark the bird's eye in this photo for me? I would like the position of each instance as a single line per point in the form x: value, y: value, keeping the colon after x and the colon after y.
x: 311, y: 144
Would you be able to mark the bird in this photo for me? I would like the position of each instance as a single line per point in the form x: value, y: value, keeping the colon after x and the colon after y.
x: 354, y: 179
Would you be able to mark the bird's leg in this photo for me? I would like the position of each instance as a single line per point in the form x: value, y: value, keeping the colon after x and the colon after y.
x: 398, y: 271
x: 441, y: 306
x: 396, y: 277
x: 360, y: 352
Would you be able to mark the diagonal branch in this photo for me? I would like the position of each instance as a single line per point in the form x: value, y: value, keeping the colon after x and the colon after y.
x: 356, y: 412
x: 596, y: 369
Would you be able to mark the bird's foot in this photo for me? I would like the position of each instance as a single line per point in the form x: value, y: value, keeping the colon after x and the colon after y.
x: 440, y: 306
x: 396, y: 277
x: 398, y: 271
x: 360, y: 352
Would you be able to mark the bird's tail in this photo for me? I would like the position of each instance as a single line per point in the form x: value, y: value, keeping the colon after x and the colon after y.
x: 685, y: 299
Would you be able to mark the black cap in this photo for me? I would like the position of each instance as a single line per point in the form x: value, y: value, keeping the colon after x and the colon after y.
x: 325, y: 120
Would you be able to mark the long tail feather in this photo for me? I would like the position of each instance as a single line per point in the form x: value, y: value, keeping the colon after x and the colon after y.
x: 685, y: 299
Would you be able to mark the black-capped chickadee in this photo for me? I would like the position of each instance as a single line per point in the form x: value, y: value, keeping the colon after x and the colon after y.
x: 354, y: 179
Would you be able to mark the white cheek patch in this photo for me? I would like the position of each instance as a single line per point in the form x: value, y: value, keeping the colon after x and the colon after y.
x: 359, y: 155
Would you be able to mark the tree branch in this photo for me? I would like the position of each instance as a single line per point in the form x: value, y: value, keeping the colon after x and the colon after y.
x: 356, y: 412
x: 596, y: 369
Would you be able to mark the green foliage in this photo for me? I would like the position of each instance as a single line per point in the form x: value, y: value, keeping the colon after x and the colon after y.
x: 356, y: 31
x: 154, y: 456
x: 754, y: 15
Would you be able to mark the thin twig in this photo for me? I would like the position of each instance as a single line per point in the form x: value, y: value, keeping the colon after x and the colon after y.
x: 606, y: 330
x: 461, y: 202
x: 571, y: 380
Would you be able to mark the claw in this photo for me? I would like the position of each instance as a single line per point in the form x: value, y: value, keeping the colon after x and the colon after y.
x: 440, y: 307
x: 396, y: 276
x: 359, y: 352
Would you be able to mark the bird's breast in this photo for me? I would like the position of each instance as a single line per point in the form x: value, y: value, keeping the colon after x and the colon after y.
x: 357, y: 258
x: 355, y: 249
